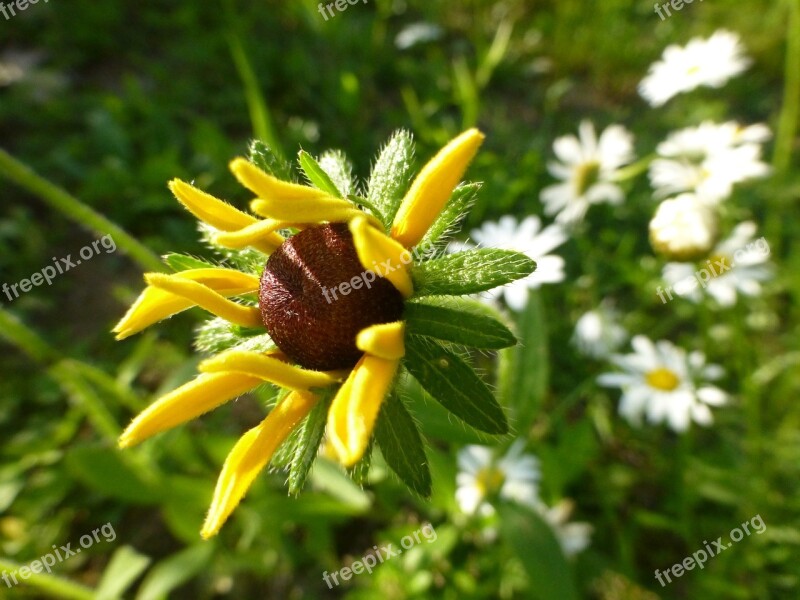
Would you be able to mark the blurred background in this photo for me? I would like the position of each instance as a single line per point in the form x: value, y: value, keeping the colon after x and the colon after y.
x: 101, y: 103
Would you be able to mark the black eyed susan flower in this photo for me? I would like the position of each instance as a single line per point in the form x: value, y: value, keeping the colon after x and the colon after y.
x: 337, y: 295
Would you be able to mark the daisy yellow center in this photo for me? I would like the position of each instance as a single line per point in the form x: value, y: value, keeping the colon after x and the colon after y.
x: 716, y: 265
x: 586, y: 176
x: 662, y: 379
x: 490, y: 480
x: 315, y: 297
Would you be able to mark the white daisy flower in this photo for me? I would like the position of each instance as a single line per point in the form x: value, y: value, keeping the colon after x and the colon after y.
x: 709, y: 160
x: 683, y: 228
x: 702, y: 62
x: 573, y: 537
x: 587, y: 168
x: 483, y: 478
x: 598, y: 333
x: 530, y: 239
x: 737, y: 265
x: 659, y: 381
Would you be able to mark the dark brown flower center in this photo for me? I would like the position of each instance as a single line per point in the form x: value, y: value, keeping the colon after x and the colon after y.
x: 315, y: 297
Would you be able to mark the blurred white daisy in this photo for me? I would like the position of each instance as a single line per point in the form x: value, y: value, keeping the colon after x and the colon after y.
x: 709, y: 160
x: 660, y: 382
x: 598, y: 332
x: 683, y: 228
x: 588, y: 167
x: 573, y: 537
x: 529, y: 238
x: 738, y: 264
x: 702, y: 62
x: 483, y: 478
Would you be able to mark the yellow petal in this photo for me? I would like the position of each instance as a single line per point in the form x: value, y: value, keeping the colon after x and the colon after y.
x: 154, y: 304
x: 306, y: 210
x: 384, y: 341
x: 211, y: 210
x: 270, y: 369
x: 251, y: 454
x: 432, y: 187
x: 351, y: 417
x: 191, y: 400
x: 260, y: 234
x: 374, y: 248
x: 205, y: 297
x: 266, y: 186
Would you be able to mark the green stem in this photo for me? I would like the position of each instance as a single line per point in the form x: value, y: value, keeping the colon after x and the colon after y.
x: 68, y: 205
x: 55, y: 586
x: 787, y: 124
x: 634, y: 169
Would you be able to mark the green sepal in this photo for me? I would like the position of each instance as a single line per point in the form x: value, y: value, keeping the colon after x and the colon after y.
x: 262, y: 156
x: 388, y: 181
x: 249, y: 260
x: 470, y: 272
x: 456, y: 326
x: 316, y: 174
x: 401, y: 445
x: 184, y: 262
x: 217, y: 334
x: 454, y: 384
x: 359, y: 472
x: 307, y: 442
x: 461, y: 201
x: 340, y: 170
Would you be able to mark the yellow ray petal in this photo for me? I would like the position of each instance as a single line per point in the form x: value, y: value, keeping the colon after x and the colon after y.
x: 260, y: 234
x: 250, y: 455
x: 154, y: 304
x: 353, y: 411
x: 432, y: 187
x: 384, y: 341
x: 313, y: 210
x: 191, y: 400
x: 204, y: 297
x: 270, y: 369
x: 374, y: 248
x: 266, y: 186
x: 211, y: 210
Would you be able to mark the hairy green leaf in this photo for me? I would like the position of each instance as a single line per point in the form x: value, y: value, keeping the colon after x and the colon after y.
x: 389, y: 179
x: 262, y: 156
x: 308, y: 442
x: 459, y: 327
x: 317, y: 175
x: 461, y: 201
x: 401, y: 445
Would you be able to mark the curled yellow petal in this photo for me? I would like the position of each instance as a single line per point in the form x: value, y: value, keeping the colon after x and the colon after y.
x: 191, y: 400
x: 251, y: 454
x: 209, y: 209
x: 351, y: 417
x: 306, y: 210
x: 154, y: 304
x: 261, y: 234
x: 385, y: 340
x: 382, y: 255
x: 269, y: 369
x: 205, y: 297
x: 432, y: 187
x: 266, y: 186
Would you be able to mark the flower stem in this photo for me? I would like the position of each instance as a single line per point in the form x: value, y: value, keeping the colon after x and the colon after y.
x: 787, y: 124
x: 60, y: 200
x: 56, y: 587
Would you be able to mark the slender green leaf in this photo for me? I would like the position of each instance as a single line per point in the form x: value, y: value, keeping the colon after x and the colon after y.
x: 102, y: 469
x: 461, y: 201
x: 452, y: 382
x: 308, y: 442
x: 457, y: 326
x: 316, y: 175
x: 184, y: 262
x: 262, y: 156
x: 401, y: 445
x: 524, y: 369
x: 536, y: 546
x: 174, y: 571
x: 123, y: 569
x: 389, y: 179
x: 339, y: 169
x: 470, y: 272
